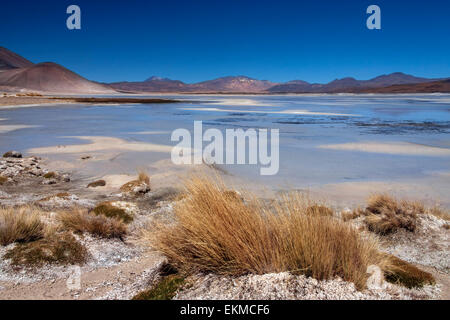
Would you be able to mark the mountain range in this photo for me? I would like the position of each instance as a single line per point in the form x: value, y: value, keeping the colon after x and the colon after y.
x: 18, y: 74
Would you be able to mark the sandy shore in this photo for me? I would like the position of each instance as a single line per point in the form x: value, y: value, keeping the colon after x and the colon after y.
x: 44, y: 100
x: 398, y: 148
x: 24, y: 101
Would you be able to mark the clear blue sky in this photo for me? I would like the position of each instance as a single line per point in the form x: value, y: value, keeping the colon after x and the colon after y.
x: 194, y: 40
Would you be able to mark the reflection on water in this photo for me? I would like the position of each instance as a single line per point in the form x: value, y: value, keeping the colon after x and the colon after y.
x: 305, y: 123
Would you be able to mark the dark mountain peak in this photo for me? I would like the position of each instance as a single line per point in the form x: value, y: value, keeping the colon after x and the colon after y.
x: 346, y: 79
x: 300, y: 82
x: 156, y: 78
x: 395, y: 78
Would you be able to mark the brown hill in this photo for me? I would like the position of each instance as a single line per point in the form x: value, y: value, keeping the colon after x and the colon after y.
x: 442, y: 86
x: 50, y: 77
x: 10, y: 60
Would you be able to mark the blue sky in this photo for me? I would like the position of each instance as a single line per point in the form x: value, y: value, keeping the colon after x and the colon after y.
x: 195, y: 40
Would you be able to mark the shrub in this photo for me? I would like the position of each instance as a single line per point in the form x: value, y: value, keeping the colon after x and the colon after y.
x: 163, y: 290
x: 213, y: 234
x: 98, y: 225
x: 385, y: 215
x: 404, y: 273
x: 108, y: 210
x: 61, y: 249
x: 20, y: 225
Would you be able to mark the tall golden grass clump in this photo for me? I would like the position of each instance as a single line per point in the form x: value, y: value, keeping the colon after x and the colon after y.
x: 217, y: 232
x: 82, y: 221
x: 385, y: 214
x: 20, y: 225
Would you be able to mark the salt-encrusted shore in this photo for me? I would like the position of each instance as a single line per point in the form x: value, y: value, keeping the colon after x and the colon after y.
x: 120, y: 269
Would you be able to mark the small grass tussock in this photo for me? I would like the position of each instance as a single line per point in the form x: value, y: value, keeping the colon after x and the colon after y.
x: 108, y: 210
x: 61, y: 195
x: 50, y: 175
x: 385, y: 215
x: 143, y: 179
x: 213, y: 234
x: 60, y: 249
x: 165, y: 289
x: 20, y: 225
x: 81, y: 221
x: 406, y: 274
x: 3, y: 180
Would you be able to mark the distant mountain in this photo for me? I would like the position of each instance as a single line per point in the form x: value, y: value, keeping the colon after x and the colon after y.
x: 348, y: 84
x: 394, y: 79
x: 17, y: 73
x: 50, y: 77
x: 224, y: 84
x: 233, y: 84
x: 10, y: 60
x: 442, y: 86
x: 152, y: 84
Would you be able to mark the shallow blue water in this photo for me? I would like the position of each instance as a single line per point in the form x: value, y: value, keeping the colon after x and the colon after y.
x: 329, y: 119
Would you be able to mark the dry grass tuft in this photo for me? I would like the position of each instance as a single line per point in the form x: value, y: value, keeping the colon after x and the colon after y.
x: 143, y: 179
x: 404, y: 273
x: 213, y: 234
x: 3, y: 180
x: 319, y: 210
x: 61, y: 249
x: 351, y: 215
x: 108, y: 210
x: 439, y: 213
x: 385, y: 215
x: 50, y: 175
x: 81, y: 221
x: 20, y: 225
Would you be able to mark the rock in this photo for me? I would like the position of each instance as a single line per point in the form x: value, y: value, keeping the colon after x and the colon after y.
x: 98, y: 183
x: 12, y: 154
x: 66, y: 178
x: 49, y: 181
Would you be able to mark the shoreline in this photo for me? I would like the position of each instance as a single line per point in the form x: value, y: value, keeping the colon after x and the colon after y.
x: 14, y: 101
